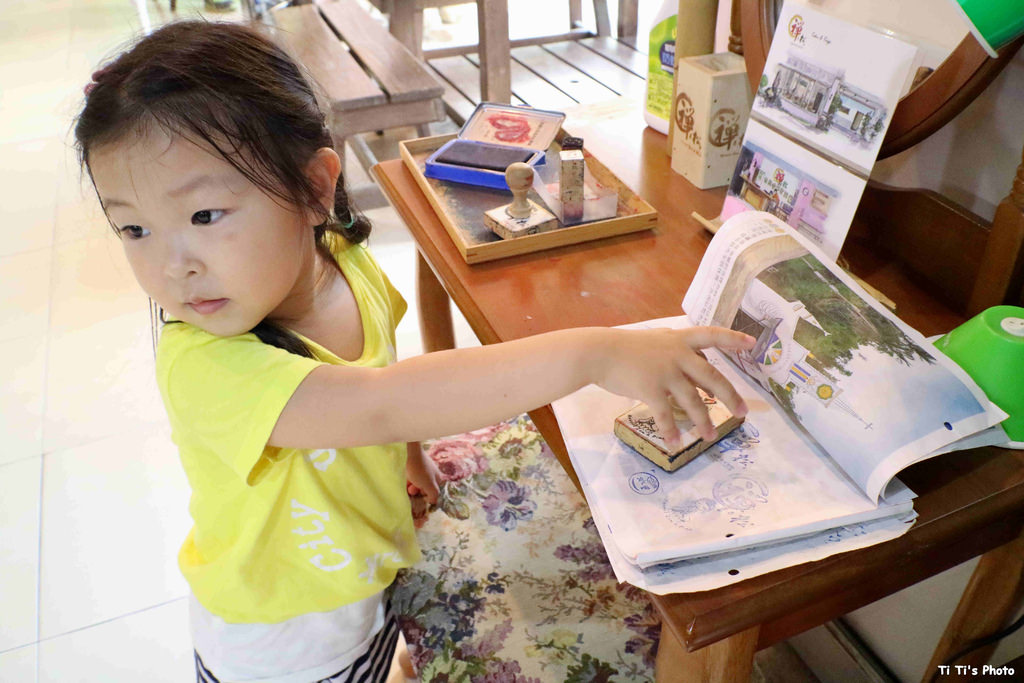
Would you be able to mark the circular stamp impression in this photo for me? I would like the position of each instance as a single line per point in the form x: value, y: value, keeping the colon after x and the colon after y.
x: 644, y: 483
x: 740, y: 492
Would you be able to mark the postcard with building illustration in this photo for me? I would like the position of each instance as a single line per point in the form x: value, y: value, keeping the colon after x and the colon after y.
x: 861, y: 383
x: 832, y: 84
x: 815, y: 196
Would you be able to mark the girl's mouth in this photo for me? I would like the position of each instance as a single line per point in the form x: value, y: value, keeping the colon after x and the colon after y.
x: 207, y: 307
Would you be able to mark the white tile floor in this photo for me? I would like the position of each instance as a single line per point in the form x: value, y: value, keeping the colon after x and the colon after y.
x: 92, y: 497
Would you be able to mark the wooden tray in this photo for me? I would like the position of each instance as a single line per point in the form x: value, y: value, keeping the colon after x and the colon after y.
x: 461, y: 208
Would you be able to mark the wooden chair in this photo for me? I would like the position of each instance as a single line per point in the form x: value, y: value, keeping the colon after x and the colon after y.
x: 626, y: 25
x: 371, y: 81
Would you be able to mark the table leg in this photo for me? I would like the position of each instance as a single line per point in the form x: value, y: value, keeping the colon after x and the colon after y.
x: 727, y: 661
x: 434, y: 308
x: 547, y: 425
x: 990, y: 600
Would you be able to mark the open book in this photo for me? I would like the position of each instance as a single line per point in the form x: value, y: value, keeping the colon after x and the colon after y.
x: 842, y: 396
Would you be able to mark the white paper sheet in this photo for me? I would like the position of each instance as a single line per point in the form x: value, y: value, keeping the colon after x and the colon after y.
x: 716, y: 571
x: 813, y: 194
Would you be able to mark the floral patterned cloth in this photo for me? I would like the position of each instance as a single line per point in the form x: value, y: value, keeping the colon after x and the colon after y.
x: 515, y: 586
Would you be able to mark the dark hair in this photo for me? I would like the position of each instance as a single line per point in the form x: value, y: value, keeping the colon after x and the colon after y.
x: 227, y: 86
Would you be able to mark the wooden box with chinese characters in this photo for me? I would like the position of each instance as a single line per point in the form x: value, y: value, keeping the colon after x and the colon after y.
x: 710, y: 112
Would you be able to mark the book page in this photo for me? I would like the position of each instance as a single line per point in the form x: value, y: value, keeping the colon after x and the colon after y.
x: 870, y: 390
x: 819, y: 115
x: 763, y: 482
x: 723, y: 569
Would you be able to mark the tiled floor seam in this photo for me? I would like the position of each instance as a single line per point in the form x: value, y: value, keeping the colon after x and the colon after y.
x: 101, y: 623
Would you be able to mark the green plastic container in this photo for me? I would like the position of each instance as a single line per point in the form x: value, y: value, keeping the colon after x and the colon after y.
x: 993, y: 22
x: 990, y: 347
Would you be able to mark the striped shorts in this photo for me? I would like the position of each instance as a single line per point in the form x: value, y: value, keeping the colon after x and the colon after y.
x: 370, y: 667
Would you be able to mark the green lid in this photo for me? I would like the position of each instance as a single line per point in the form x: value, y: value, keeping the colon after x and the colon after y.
x: 993, y: 22
x: 990, y: 348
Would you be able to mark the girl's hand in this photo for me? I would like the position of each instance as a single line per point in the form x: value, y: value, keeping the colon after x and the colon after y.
x: 420, y: 508
x: 658, y: 365
x: 422, y: 474
x: 423, y: 483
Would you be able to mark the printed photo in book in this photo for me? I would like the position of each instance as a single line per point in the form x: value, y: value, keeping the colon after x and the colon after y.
x: 815, y: 196
x: 842, y: 396
x: 832, y: 84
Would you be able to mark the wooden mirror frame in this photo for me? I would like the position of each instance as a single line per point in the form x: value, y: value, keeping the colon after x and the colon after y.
x: 927, y: 107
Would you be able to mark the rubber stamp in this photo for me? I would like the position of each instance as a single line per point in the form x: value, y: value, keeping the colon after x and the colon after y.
x: 570, y: 184
x: 636, y: 428
x: 522, y: 216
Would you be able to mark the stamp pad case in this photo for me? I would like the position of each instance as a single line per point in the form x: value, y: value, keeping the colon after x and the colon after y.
x: 495, y: 136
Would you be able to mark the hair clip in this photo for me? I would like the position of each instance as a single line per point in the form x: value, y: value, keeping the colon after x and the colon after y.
x: 333, y: 219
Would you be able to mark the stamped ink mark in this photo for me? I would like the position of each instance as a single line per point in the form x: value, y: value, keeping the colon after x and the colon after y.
x: 644, y: 483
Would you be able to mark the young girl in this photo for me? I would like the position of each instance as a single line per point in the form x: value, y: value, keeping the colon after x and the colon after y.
x: 215, y: 166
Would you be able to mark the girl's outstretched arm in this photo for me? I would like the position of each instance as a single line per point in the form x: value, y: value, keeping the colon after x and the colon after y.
x: 449, y: 392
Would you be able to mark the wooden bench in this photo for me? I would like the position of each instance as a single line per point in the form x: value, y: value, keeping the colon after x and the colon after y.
x: 371, y: 80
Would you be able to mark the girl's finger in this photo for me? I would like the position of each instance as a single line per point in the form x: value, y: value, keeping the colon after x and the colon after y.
x: 689, y: 400
x: 663, y: 416
x: 430, y: 494
x: 706, y: 375
x: 704, y: 337
x: 419, y: 507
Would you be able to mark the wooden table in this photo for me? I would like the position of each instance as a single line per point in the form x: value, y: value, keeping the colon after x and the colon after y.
x: 969, y: 503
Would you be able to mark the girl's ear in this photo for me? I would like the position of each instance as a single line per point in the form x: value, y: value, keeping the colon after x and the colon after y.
x: 323, y: 171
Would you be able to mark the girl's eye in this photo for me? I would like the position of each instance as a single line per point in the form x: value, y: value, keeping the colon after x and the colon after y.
x: 206, y: 216
x: 134, y: 232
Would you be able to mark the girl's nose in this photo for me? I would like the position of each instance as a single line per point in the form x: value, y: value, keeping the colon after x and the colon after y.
x: 181, y: 261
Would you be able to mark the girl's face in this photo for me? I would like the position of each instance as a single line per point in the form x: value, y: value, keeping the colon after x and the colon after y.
x: 204, y: 242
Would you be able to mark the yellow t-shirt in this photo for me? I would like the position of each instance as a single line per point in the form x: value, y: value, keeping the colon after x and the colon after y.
x: 283, y: 532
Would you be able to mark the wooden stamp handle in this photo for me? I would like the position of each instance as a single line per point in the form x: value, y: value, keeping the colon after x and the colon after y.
x: 519, y: 177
